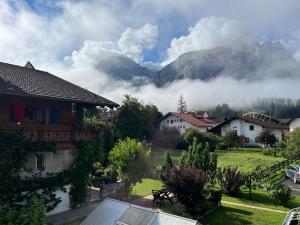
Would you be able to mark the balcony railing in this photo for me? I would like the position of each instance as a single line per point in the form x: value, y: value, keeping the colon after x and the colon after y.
x: 52, y: 132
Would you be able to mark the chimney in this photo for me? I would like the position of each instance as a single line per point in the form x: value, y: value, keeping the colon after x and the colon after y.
x: 29, y: 65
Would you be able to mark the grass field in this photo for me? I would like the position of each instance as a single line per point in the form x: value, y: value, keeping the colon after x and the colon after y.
x: 236, y: 215
x: 245, y: 159
x: 146, y: 186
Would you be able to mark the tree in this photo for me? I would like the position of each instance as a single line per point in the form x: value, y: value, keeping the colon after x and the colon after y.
x: 198, y: 156
x: 188, y: 186
x: 210, y: 138
x: 231, y: 139
x: 181, y: 107
x: 230, y: 180
x: 293, y: 143
x: 131, y: 160
x: 266, y: 138
x: 135, y: 120
x: 168, y: 165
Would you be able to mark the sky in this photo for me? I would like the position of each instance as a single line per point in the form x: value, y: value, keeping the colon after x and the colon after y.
x: 68, y: 38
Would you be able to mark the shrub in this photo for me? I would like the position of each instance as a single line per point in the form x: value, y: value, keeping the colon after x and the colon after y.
x: 271, y: 152
x: 198, y: 156
x: 131, y: 160
x: 188, y: 186
x: 210, y: 138
x: 33, y: 213
x: 280, y: 193
x: 231, y: 139
x: 179, y: 210
x: 266, y: 138
x: 230, y: 180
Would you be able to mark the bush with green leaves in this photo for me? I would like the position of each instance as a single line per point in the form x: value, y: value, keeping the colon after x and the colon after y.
x: 132, y: 161
x: 32, y: 213
x: 230, y: 179
x: 168, y: 165
x: 87, y: 153
x: 210, y: 138
x: 280, y: 194
x: 266, y: 138
x: 293, y: 143
x: 231, y: 139
x: 188, y: 185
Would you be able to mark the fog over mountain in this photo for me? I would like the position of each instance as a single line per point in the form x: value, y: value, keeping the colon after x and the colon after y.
x: 123, y: 68
x: 250, y: 62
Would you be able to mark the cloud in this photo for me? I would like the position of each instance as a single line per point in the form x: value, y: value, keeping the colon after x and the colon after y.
x: 132, y: 44
x: 208, y: 33
x: 198, y: 94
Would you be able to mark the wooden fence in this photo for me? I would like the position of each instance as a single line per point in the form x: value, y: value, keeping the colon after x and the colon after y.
x: 281, y: 165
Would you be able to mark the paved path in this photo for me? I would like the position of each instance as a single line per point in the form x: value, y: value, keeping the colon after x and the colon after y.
x: 72, y: 215
x: 254, y: 207
x: 294, y: 187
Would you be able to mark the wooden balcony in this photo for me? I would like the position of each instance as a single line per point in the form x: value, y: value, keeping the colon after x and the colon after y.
x: 57, y: 133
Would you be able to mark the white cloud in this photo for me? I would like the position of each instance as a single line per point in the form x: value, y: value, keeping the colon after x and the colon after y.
x: 208, y: 33
x: 132, y: 44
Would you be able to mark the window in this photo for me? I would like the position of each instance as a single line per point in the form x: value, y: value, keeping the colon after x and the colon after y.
x: 180, y: 120
x: 40, y: 162
x: 183, y: 126
x: 171, y: 121
x: 167, y: 121
x: 251, y: 127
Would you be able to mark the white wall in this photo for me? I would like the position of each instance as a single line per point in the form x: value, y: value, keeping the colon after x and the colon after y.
x: 53, y: 162
x: 181, y: 125
x: 294, y: 124
x: 243, y: 128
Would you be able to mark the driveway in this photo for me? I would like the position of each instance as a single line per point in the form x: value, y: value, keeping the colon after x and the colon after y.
x: 294, y: 187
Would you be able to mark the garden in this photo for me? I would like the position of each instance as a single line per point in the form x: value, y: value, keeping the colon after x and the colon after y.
x: 199, y: 169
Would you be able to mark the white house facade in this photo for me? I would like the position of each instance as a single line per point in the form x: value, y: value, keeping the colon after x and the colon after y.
x: 294, y: 123
x: 249, y: 130
x: 250, y: 125
x: 183, y: 121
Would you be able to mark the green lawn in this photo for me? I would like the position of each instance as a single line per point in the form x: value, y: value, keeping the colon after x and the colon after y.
x: 246, y: 159
x: 260, y: 198
x: 146, y: 186
x: 236, y: 215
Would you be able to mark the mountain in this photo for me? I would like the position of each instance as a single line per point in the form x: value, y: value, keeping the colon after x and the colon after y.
x: 122, y: 68
x: 251, y: 62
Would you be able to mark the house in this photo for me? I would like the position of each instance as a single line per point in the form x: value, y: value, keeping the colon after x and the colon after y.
x: 42, y: 105
x: 294, y: 123
x: 250, y: 125
x: 183, y: 121
x: 113, y: 212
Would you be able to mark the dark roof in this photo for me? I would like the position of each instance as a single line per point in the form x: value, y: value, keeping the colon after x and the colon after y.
x: 191, y: 119
x: 265, y: 124
x: 29, y: 82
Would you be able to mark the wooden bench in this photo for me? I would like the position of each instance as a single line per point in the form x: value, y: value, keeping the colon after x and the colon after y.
x: 159, y: 196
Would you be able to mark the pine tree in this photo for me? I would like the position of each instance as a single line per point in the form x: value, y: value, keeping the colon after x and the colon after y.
x: 168, y: 165
x: 181, y: 107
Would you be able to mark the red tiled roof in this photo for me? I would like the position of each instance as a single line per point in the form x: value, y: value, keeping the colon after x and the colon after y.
x: 191, y: 119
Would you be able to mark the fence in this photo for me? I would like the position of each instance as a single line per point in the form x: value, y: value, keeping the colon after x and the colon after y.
x: 281, y: 165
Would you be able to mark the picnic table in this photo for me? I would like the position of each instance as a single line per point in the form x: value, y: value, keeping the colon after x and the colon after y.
x: 159, y: 196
